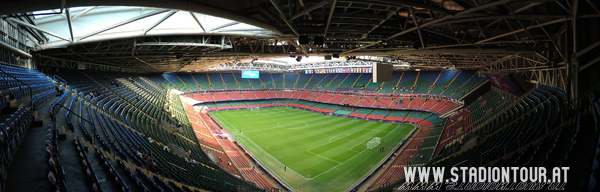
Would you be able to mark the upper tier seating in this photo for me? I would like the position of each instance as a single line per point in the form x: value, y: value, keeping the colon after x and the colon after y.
x: 450, y: 83
x: 433, y: 104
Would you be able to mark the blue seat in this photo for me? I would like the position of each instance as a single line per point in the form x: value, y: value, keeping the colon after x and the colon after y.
x: 52, y: 178
x: 52, y: 162
x: 2, y: 136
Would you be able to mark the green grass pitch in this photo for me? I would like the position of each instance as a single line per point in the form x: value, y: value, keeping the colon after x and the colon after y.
x: 321, y: 152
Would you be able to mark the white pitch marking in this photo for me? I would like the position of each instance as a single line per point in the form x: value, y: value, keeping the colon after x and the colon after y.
x: 326, y: 158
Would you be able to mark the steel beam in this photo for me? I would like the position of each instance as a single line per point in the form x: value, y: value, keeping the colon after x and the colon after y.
x: 183, y: 44
x: 516, y: 11
x: 197, y: 21
x: 400, y: 3
x: 463, y: 51
x: 497, y: 17
x: 37, y: 28
x: 574, y: 67
x: 300, y: 47
x: 446, y: 35
x: 309, y: 9
x: 362, y: 47
x: 588, y: 64
x: 329, y: 18
x: 68, y: 12
x: 60, y: 59
x: 589, y: 48
x: 593, y: 6
x: 163, y: 19
x: 287, y: 22
x: 144, y: 62
x: 140, y: 33
x: 83, y: 12
x: 390, y: 14
x: 553, y: 43
x: 465, y: 12
x: 123, y: 23
x: 13, y: 49
x: 225, y: 25
x: 575, y: 10
x: 412, y: 14
x: 522, y: 29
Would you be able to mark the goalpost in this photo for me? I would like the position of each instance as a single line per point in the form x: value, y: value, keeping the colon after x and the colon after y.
x: 373, y: 142
x: 255, y: 109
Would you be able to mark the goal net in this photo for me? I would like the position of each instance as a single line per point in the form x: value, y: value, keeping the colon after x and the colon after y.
x: 255, y: 109
x: 373, y: 142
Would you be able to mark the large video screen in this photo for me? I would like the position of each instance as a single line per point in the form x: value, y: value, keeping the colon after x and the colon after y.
x: 506, y: 83
x: 339, y: 70
x: 250, y: 74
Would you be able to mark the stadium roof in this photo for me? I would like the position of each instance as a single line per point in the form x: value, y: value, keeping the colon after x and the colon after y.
x: 105, y: 23
x: 183, y: 35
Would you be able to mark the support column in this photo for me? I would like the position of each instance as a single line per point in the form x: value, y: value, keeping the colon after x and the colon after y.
x: 572, y: 69
x: 574, y: 73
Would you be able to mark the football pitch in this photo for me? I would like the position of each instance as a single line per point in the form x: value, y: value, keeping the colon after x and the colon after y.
x: 312, y: 151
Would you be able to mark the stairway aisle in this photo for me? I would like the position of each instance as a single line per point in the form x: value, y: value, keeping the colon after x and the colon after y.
x: 69, y: 158
x: 104, y: 177
x: 29, y: 168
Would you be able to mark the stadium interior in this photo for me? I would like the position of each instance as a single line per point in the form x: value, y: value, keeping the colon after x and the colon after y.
x: 296, y: 95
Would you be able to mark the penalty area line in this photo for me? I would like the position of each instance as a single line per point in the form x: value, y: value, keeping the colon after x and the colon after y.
x: 326, y: 158
x: 266, y: 152
x: 334, y: 167
x: 288, y: 168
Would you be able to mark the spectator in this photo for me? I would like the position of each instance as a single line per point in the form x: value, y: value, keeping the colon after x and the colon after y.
x: 58, y: 89
x: 149, y: 156
x: 149, y: 160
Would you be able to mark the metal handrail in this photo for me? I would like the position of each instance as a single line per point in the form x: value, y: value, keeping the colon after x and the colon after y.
x: 58, y: 104
x: 61, y: 79
x: 54, y: 117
